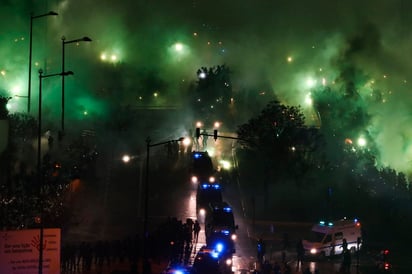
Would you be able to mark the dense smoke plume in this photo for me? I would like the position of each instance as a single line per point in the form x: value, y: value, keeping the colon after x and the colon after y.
x: 287, y: 48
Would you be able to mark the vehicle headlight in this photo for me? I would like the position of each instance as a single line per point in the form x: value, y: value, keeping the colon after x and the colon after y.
x: 234, y: 237
x: 313, y: 251
x: 194, y: 179
x: 211, y: 179
x: 202, y: 212
x: 229, y: 262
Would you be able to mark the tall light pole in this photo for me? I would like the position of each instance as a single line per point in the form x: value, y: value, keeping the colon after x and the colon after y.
x: 32, y: 17
x: 64, y: 42
x: 39, y: 173
x: 146, y: 200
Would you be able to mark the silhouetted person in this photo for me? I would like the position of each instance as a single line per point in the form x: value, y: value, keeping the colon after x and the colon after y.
x: 300, y: 253
x: 344, y: 245
x: 261, y: 250
x: 196, y: 230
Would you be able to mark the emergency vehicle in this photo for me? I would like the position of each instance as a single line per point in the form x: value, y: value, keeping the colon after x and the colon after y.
x: 326, y: 238
x: 220, y: 226
x: 207, y: 193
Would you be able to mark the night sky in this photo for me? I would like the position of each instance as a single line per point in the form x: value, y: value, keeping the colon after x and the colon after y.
x: 286, y: 47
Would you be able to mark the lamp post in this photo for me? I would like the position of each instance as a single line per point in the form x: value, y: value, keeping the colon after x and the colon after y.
x: 146, y: 199
x: 39, y: 173
x: 32, y: 17
x: 64, y: 42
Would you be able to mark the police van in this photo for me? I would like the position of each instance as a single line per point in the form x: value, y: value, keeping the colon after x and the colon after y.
x: 207, y: 193
x: 220, y: 226
x: 327, y: 238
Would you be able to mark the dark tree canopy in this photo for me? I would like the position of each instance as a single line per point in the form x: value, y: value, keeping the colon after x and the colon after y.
x: 211, y: 96
x: 3, y: 107
x: 279, y: 137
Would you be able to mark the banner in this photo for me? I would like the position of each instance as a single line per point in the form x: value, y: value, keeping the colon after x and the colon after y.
x: 19, y: 251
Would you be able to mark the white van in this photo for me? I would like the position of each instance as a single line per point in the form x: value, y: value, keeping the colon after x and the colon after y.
x: 327, y: 237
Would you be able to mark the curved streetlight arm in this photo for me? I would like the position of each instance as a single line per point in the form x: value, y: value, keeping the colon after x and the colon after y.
x: 64, y: 73
x: 50, y: 13
x: 163, y: 143
x: 83, y: 39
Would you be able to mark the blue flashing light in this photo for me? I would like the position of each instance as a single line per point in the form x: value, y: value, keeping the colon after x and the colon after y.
x: 205, y: 186
x: 219, y: 247
x: 197, y: 155
x: 355, y: 220
x: 178, y: 271
x: 227, y: 209
x: 324, y: 223
x: 216, y: 186
x: 226, y: 232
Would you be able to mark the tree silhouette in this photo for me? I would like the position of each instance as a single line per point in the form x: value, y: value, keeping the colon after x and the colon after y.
x: 3, y: 107
x: 211, y: 96
x: 279, y: 139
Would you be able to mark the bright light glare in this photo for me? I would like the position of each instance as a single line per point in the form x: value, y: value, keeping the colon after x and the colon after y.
x: 186, y: 141
x: 211, y: 152
x: 217, y: 124
x: 16, y: 89
x: 112, y: 57
x: 126, y: 158
x: 179, y: 47
x: 199, y: 124
x: 202, y: 75
x: 194, y: 179
x: 225, y: 164
x: 308, y: 99
x: 362, y: 142
x: 310, y: 82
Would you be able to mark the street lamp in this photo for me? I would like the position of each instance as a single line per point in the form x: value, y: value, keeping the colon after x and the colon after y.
x: 64, y: 42
x: 39, y: 173
x: 146, y: 199
x: 50, y: 13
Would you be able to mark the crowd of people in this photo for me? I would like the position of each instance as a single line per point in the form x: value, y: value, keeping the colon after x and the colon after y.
x: 172, y: 241
x: 82, y: 256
